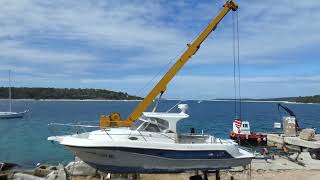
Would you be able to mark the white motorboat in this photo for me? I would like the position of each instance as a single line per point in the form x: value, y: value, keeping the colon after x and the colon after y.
x: 152, y: 145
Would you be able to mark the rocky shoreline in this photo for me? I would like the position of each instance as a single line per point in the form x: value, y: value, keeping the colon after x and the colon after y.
x: 280, y: 168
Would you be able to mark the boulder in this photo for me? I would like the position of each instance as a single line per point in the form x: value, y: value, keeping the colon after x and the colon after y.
x: 21, y: 176
x: 44, y: 170
x: 7, y: 166
x: 59, y: 174
x: 3, y: 176
x: 307, y: 134
x: 80, y: 168
x: 52, y: 176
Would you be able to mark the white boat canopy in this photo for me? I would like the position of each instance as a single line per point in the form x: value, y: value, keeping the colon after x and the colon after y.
x: 171, y: 118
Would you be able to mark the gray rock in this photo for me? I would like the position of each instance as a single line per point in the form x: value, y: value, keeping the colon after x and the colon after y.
x: 80, y: 168
x: 44, y: 170
x: 307, y: 134
x: 21, y: 176
x: 61, y: 173
x: 7, y: 166
x: 52, y: 176
x: 58, y: 174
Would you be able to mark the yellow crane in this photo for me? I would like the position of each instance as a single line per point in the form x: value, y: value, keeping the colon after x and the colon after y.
x: 115, y: 119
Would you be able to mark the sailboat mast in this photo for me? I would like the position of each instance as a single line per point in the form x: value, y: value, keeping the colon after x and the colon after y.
x: 10, y: 91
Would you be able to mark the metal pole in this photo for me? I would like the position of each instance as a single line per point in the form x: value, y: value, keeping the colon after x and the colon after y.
x: 10, y: 91
x: 217, y: 174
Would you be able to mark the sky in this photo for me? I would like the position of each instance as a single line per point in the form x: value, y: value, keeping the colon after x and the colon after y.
x: 122, y: 45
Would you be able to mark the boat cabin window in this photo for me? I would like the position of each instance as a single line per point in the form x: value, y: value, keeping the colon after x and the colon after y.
x: 162, y: 124
x: 137, y: 124
x: 151, y: 124
x: 152, y: 128
x: 245, y: 125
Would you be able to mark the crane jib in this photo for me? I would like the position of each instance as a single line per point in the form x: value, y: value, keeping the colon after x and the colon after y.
x: 162, y: 84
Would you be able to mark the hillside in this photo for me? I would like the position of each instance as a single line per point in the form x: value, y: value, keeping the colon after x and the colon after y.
x: 63, y: 93
x: 300, y: 99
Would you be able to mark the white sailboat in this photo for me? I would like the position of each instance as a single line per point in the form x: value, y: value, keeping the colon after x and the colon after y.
x: 11, y: 114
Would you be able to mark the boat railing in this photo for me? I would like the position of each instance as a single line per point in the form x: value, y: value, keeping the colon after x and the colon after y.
x: 78, y: 128
x: 81, y: 129
x: 72, y: 128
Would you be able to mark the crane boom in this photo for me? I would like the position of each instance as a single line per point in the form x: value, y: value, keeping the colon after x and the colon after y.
x: 162, y: 84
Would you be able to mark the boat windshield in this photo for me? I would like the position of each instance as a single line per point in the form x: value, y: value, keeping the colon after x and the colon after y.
x: 151, y: 124
x: 137, y: 124
x: 162, y: 124
x: 152, y: 128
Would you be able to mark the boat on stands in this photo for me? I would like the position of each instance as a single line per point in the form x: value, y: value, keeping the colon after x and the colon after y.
x: 242, y: 134
x: 148, y: 142
x: 152, y: 145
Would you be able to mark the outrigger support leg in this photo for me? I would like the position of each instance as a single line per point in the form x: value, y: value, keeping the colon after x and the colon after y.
x: 196, y: 176
x: 205, y: 175
x: 217, y: 174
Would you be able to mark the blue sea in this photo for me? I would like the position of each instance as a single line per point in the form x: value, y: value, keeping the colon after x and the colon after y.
x: 24, y: 141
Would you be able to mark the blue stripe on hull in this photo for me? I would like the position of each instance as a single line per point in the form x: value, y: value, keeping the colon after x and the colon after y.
x: 110, y: 160
x: 172, y: 154
x: 117, y: 169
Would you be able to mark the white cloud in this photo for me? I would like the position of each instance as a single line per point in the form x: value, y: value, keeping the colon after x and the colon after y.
x: 127, y: 38
x: 268, y: 25
x: 23, y: 53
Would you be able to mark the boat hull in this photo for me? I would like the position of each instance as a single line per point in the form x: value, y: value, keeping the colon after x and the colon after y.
x: 12, y: 115
x: 135, y: 160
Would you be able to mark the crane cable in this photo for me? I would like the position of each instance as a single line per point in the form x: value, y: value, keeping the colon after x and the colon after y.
x: 166, y: 66
x: 239, y: 74
x: 236, y: 65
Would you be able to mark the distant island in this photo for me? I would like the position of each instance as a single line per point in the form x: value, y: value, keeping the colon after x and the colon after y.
x: 64, y: 93
x: 103, y: 94
x: 300, y: 99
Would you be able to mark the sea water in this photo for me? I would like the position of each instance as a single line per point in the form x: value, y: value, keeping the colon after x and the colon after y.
x: 24, y: 141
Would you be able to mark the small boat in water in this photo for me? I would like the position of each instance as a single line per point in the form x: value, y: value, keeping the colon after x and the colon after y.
x: 10, y: 114
x: 242, y: 134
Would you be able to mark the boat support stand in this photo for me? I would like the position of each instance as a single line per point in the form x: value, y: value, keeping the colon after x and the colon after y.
x: 205, y: 175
